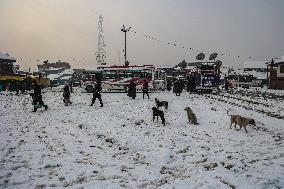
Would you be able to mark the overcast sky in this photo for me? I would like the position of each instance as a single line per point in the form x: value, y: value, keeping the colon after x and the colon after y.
x: 67, y: 30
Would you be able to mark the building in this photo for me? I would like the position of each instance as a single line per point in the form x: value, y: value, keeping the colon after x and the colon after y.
x: 259, y: 71
x: 7, y: 64
x: 258, y: 66
x: 62, y: 77
x: 58, y: 72
x: 57, y: 65
x: 276, y: 78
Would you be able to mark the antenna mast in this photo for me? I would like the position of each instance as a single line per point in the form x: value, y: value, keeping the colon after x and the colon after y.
x: 101, y: 52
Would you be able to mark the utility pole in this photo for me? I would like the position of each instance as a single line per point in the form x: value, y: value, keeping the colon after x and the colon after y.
x: 123, y: 29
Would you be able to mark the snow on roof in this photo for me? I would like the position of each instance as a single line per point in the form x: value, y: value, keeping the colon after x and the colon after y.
x: 255, y: 64
x: 53, y: 76
x: 224, y: 69
x: 164, y: 67
x: 190, y: 67
x: 65, y: 77
x: 68, y: 72
x: 6, y: 56
x: 53, y: 69
x: 237, y: 71
x: 280, y: 59
x: 257, y: 75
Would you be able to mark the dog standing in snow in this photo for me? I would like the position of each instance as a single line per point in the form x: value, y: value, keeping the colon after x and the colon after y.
x: 191, y: 116
x: 161, y: 103
x: 158, y: 113
x: 241, y: 121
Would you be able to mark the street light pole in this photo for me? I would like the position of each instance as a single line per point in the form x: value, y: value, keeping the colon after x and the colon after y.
x: 125, y: 58
x: 123, y: 29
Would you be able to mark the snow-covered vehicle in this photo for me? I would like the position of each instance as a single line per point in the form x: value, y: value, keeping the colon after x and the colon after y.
x: 240, y: 80
x: 159, y: 85
x: 117, y: 78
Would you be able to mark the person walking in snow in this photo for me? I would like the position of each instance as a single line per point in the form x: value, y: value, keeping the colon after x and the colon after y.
x: 226, y: 83
x: 70, y: 86
x: 17, y: 87
x: 177, y: 88
x: 145, y: 89
x: 37, y: 97
x: 191, y: 84
x: 169, y: 85
x: 66, y: 95
x: 97, y: 93
x: 175, y: 85
x: 132, y: 90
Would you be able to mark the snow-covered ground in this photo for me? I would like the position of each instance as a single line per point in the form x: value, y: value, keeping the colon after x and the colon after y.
x: 118, y: 146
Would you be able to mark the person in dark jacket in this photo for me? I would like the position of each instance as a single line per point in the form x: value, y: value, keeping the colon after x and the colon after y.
x: 70, y: 87
x: 177, y: 88
x: 226, y: 83
x: 187, y: 84
x: 97, y: 93
x: 191, y: 84
x: 169, y: 86
x: 37, y: 97
x: 66, y: 95
x: 145, y: 89
x: 17, y: 87
x: 132, y: 90
x: 23, y: 86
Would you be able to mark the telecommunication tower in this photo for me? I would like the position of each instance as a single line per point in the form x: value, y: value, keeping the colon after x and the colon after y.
x: 101, y: 52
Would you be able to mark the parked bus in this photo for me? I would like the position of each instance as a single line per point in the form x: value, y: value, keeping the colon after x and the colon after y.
x: 207, y: 76
x: 117, y: 78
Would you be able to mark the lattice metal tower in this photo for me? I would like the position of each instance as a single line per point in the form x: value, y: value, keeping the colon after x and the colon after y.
x: 101, y: 52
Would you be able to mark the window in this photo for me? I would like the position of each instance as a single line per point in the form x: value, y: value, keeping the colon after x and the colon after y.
x: 281, y: 68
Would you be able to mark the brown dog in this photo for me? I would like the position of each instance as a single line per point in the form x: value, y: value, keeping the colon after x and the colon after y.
x: 191, y: 116
x: 241, y: 121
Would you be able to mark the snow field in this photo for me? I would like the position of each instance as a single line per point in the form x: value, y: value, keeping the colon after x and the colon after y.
x: 118, y: 146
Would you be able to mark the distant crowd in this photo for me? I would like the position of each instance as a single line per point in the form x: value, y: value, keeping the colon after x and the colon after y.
x: 22, y: 86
